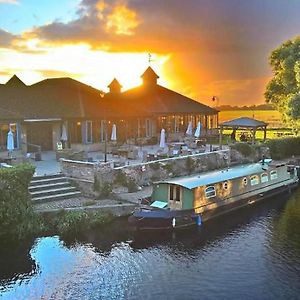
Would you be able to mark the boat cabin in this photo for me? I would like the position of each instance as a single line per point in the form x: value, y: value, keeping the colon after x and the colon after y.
x: 210, y: 190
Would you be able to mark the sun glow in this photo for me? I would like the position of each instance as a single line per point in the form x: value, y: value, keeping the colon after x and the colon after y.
x: 96, y: 68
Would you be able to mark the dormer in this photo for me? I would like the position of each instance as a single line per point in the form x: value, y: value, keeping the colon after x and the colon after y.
x: 149, y: 77
x: 115, y: 86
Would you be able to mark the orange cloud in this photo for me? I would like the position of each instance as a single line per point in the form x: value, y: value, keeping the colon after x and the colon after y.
x: 122, y: 20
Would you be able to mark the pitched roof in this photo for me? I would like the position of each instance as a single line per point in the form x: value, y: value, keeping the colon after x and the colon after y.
x: 244, y: 122
x: 15, y: 81
x: 160, y: 100
x: 50, y: 98
x: 149, y: 73
x: 211, y: 177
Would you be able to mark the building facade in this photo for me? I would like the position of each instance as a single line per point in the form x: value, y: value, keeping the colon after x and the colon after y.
x: 38, y: 114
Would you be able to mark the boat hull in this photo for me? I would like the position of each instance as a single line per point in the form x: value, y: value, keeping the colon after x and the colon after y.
x: 173, y: 220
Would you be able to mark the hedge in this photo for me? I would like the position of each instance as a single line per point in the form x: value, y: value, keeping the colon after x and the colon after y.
x: 283, y: 148
x: 17, y: 217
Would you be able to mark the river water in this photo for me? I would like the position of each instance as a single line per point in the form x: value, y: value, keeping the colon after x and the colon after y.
x: 253, y: 253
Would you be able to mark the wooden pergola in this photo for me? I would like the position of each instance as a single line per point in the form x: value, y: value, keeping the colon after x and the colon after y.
x: 243, y: 123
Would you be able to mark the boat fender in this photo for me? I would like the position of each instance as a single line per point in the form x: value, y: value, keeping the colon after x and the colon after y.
x: 198, y: 220
x: 173, y: 222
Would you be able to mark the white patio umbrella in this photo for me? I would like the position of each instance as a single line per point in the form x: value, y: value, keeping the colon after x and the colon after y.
x: 162, y: 143
x: 114, y: 133
x: 198, y: 130
x: 189, y: 130
x: 64, y: 135
x: 10, y: 142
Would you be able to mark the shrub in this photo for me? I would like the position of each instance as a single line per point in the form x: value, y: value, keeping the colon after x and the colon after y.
x: 244, y: 148
x: 131, y: 185
x: 17, y: 217
x: 121, y: 179
x: 154, y: 166
x: 105, y: 190
x: 74, y: 222
x: 282, y: 148
x: 190, y: 165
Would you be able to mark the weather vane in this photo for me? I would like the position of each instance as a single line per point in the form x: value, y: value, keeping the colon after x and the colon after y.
x: 149, y: 58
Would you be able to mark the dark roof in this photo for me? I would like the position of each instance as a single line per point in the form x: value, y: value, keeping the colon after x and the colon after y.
x: 114, y: 83
x: 15, y: 81
x: 149, y: 73
x: 50, y: 98
x: 157, y: 99
x: 244, y: 122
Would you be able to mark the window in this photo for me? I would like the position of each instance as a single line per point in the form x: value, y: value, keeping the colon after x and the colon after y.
x: 75, y: 130
x: 254, y: 180
x: 148, y: 128
x: 273, y: 175
x: 264, y: 178
x: 225, y: 185
x: 210, y: 192
x: 175, y: 192
x: 89, y: 131
x: 245, y: 181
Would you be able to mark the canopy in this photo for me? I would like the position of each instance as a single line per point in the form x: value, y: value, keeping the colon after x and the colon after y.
x: 244, y: 123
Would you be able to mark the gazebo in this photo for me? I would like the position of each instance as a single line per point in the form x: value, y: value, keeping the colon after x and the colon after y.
x: 244, y: 123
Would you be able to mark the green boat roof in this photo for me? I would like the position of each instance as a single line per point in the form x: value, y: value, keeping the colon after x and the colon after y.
x: 207, y: 178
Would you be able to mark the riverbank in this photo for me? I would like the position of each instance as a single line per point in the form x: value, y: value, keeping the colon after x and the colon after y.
x: 122, y: 204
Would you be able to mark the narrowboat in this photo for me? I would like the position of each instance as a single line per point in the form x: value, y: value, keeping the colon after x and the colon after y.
x: 189, y: 201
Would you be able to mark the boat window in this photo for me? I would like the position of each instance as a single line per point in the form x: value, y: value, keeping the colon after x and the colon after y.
x: 273, y: 175
x: 210, y: 192
x: 175, y: 192
x: 254, y: 180
x: 264, y: 177
x: 245, y: 181
x: 225, y: 185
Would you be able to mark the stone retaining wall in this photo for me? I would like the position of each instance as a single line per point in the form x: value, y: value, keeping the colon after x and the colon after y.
x: 93, y: 178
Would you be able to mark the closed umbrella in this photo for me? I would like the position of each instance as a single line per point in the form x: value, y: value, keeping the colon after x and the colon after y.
x: 64, y: 135
x: 189, y: 130
x: 10, y: 142
x: 114, y: 133
x: 198, y: 130
x: 162, y: 143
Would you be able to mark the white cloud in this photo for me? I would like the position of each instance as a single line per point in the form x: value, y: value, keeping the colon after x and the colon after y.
x: 9, y: 1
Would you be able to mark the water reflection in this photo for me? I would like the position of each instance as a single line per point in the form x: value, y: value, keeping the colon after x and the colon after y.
x: 252, y: 253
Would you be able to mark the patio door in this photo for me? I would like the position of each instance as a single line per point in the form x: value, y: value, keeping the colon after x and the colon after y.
x: 39, y: 133
x: 175, y: 196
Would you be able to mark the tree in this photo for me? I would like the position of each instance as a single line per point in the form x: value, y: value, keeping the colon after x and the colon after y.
x: 283, y: 90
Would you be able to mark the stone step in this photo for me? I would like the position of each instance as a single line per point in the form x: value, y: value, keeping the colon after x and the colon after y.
x: 48, y: 186
x: 54, y: 191
x: 51, y: 198
x: 57, y: 175
x: 44, y: 181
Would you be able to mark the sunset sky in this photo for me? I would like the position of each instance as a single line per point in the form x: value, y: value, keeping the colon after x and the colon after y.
x: 199, y: 48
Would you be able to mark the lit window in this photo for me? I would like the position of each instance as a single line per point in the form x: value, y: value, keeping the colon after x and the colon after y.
x: 264, y: 178
x: 210, y: 192
x: 273, y: 175
x: 245, y: 181
x: 225, y: 185
x: 254, y: 180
